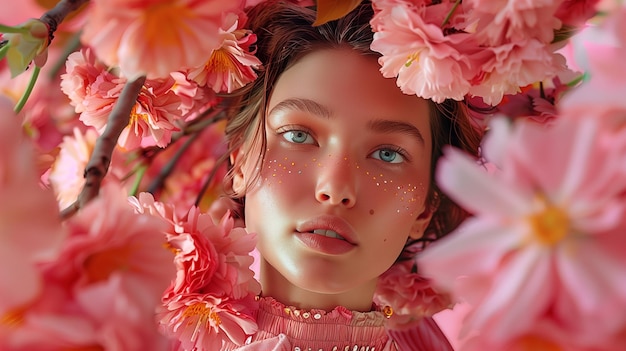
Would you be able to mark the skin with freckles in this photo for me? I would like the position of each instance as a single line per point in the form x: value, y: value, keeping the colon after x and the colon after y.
x: 345, y: 150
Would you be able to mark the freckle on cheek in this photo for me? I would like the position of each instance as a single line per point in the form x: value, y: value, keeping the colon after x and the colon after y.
x: 371, y: 211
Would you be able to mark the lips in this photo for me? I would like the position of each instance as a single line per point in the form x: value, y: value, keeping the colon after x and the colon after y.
x: 331, y: 227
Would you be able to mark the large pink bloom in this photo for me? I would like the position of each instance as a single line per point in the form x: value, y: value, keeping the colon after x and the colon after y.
x: 231, y: 66
x: 426, y: 62
x: 155, y: 37
x: 546, y: 243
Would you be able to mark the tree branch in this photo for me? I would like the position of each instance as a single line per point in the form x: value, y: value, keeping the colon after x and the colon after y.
x: 98, y: 164
x: 57, y: 14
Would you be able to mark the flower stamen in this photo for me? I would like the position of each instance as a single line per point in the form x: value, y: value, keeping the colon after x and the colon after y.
x: 549, y: 226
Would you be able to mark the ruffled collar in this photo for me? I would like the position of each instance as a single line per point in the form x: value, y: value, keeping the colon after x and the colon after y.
x: 318, y: 329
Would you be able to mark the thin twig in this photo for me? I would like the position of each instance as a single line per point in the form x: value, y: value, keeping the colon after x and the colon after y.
x: 57, y: 14
x: 98, y: 164
x: 157, y: 182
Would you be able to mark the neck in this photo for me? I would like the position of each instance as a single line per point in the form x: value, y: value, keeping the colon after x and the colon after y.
x: 275, y: 285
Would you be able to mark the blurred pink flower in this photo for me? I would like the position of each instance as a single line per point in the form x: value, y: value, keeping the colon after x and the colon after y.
x: 546, y: 243
x: 194, y: 98
x: 410, y: 295
x: 155, y: 37
x: 231, y: 66
x: 504, y: 21
x: 599, y: 50
x: 25, y: 241
x: 576, y: 12
x: 103, y: 289
x: 67, y: 172
x: 411, y: 49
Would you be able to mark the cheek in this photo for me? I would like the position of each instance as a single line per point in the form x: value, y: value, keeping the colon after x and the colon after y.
x: 287, y: 171
x: 399, y: 196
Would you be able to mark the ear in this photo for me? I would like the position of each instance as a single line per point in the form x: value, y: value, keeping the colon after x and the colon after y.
x: 239, y: 180
x: 422, y: 222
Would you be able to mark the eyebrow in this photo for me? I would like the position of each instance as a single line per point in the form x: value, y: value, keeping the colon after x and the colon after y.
x: 390, y: 126
x: 385, y: 126
x: 304, y: 105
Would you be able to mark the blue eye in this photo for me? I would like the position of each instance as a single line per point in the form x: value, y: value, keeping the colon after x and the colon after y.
x: 388, y: 155
x: 298, y: 137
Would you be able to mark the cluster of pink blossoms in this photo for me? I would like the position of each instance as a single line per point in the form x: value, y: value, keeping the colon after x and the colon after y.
x: 214, y: 295
x: 484, y: 48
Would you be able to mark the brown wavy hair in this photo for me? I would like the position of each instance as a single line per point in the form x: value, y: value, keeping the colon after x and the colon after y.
x: 285, y: 34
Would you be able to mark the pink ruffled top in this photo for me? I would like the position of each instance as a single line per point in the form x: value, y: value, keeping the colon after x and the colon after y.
x: 286, y: 328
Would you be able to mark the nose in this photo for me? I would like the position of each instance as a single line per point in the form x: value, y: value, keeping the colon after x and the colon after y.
x: 336, y: 183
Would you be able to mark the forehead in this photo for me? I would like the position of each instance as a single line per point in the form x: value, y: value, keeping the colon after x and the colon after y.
x: 349, y: 84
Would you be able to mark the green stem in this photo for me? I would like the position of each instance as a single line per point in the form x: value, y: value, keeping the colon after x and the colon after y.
x: 28, y: 91
x: 3, y: 50
x: 456, y: 4
x: 141, y: 171
x: 10, y: 29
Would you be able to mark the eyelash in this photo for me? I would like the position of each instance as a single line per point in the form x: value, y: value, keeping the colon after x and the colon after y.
x: 294, y: 128
x: 402, y: 152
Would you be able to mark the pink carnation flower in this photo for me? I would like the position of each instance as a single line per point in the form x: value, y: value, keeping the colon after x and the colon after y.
x: 231, y: 66
x: 213, y: 297
x: 514, y: 65
x: 154, y: 117
x: 410, y: 295
x: 546, y: 243
x: 426, y: 62
x: 155, y: 37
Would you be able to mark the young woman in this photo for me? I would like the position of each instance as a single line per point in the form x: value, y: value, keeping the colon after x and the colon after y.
x: 332, y: 167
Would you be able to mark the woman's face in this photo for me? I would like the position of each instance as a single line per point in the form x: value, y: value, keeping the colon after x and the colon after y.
x: 345, y: 175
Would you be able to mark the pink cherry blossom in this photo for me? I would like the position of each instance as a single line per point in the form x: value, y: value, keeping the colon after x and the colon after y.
x: 409, y: 294
x: 231, y: 66
x: 411, y: 49
x: 546, y: 240
x: 155, y: 37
